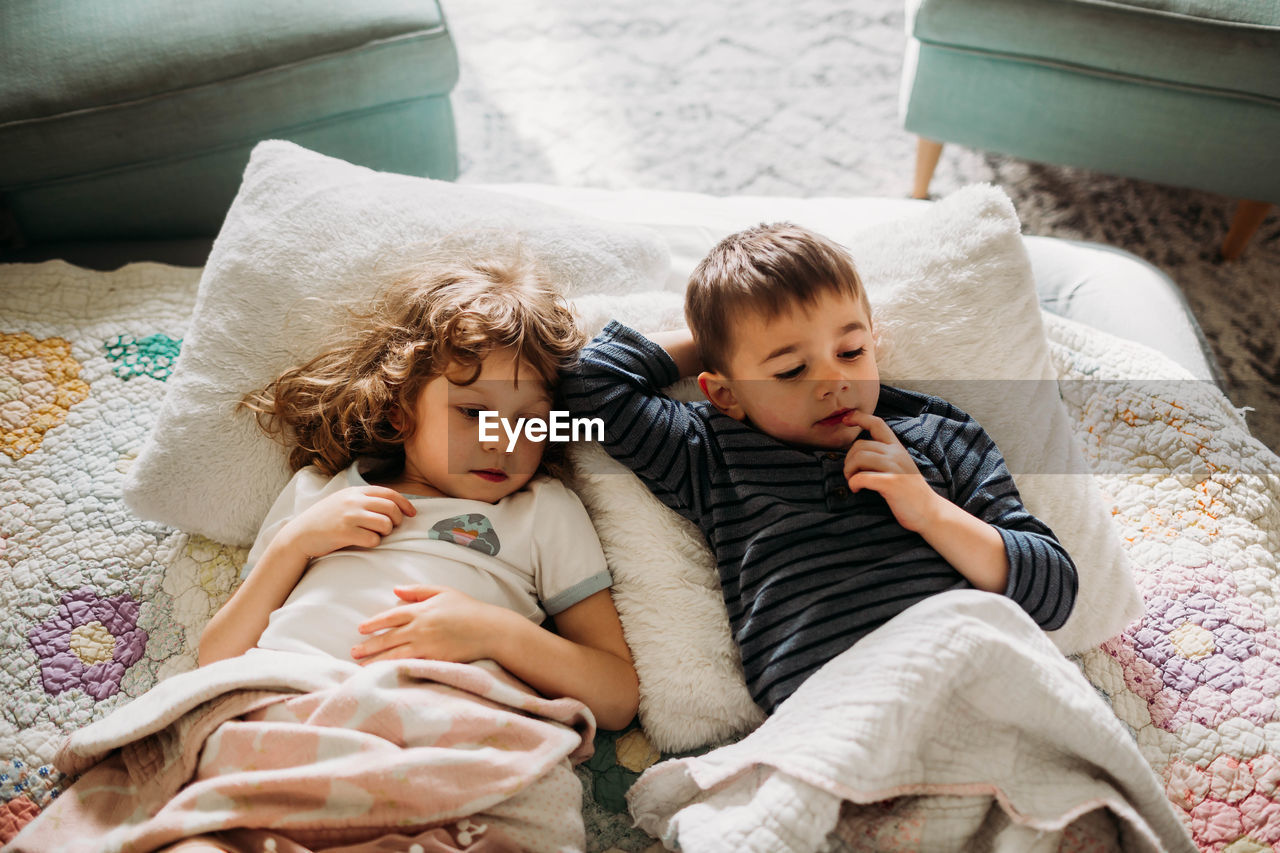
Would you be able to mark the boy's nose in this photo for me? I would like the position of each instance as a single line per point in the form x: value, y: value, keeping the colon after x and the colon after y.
x: 834, y: 385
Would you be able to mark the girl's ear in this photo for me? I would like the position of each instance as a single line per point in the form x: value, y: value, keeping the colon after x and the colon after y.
x: 717, y: 388
x: 396, y: 415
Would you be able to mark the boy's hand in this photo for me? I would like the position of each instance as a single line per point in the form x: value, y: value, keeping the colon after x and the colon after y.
x: 357, y: 516
x: 435, y: 623
x: 679, y: 345
x: 880, y: 463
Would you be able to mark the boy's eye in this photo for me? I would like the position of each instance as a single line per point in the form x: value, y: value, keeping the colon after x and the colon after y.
x: 470, y: 413
x: 790, y: 374
x: 853, y: 353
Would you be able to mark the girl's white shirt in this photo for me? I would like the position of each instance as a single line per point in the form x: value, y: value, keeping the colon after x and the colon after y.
x: 534, y: 552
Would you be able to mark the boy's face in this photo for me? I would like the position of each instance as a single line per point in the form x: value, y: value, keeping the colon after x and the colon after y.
x: 795, y: 375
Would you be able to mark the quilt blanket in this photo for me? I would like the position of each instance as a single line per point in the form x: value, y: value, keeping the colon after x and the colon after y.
x: 100, y: 605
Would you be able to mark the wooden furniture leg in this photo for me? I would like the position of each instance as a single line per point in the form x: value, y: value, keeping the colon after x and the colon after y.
x: 927, y: 154
x: 1249, y: 215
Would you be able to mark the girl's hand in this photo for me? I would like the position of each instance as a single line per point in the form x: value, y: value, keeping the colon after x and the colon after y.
x: 882, y: 464
x: 360, y: 516
x: 357, y: 516
x: 435, y: 623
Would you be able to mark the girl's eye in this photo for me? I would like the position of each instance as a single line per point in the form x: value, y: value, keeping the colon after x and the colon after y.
x: 853, y: 353
x: 469, y: 413
x: 790, y: 374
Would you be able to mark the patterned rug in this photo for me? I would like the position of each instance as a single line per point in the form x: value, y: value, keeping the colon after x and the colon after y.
x: 764, y: 98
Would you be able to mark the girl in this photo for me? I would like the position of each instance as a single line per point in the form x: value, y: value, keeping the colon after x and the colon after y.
x: 403, y: 534
x: 394, y: 486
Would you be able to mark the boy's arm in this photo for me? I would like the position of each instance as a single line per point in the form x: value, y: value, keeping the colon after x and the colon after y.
x: 679, y: 345
x: 618, y: 378
x: 985, y: 532
x: 973, y: 546
x: 1042, y: 577
x: 880, y: 462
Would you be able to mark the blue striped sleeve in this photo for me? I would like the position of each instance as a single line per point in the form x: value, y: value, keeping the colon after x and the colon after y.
x: 1042, y: 576
x: 618, y: 378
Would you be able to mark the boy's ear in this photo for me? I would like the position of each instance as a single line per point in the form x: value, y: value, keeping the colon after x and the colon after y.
x: 715, y: 386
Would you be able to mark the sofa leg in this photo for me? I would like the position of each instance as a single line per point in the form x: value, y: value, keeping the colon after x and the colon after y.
x: 1249, y: 215
x: 927, y: 154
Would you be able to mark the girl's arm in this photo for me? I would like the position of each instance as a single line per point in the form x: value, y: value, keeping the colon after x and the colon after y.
x: 358, y: 516
x: 238, y: 624
x: 594, y: 662
x: 588, y: 660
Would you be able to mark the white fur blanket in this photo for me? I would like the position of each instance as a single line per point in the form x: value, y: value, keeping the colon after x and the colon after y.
x: 955, y: 726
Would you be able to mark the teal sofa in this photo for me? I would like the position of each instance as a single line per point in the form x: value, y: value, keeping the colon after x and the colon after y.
x: 1180, y: 92
x: 134, y: 119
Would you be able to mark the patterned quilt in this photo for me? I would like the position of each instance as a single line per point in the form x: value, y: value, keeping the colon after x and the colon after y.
x: 100, y: 605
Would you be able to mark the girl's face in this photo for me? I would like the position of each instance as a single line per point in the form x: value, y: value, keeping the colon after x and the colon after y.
x: 445, y: 455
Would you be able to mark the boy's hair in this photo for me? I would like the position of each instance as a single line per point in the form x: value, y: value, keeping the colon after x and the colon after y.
x: 767, y: 269
x: 442, y: 314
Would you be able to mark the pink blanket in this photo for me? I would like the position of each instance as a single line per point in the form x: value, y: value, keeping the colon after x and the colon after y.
x: 319, y: 752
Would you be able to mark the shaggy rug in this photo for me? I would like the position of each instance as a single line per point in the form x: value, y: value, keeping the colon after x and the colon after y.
x: 764, y: 98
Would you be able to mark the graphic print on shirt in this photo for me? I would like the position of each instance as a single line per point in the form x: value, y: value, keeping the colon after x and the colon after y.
x: 472, y: 530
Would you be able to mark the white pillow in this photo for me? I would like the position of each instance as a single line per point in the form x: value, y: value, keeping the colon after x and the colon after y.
x: 955, y: 313
x: 304, y: 232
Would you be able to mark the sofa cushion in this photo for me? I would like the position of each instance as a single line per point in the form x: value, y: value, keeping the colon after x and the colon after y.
x: 96, y: 91
x: 1231, y: 46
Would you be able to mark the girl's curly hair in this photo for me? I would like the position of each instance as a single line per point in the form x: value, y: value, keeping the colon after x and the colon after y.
x: 443, y: 314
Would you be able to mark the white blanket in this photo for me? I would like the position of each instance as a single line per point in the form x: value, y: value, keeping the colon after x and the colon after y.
x: 955, y: 726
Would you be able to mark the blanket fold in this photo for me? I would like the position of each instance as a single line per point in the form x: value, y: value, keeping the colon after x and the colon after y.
x: 319, y: 751
x: 956, y: 726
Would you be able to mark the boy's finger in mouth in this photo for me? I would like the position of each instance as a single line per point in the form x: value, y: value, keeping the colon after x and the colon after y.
x: 837, y: 418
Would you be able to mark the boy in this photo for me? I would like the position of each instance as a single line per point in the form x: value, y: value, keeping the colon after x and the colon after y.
x: 831, y: 502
